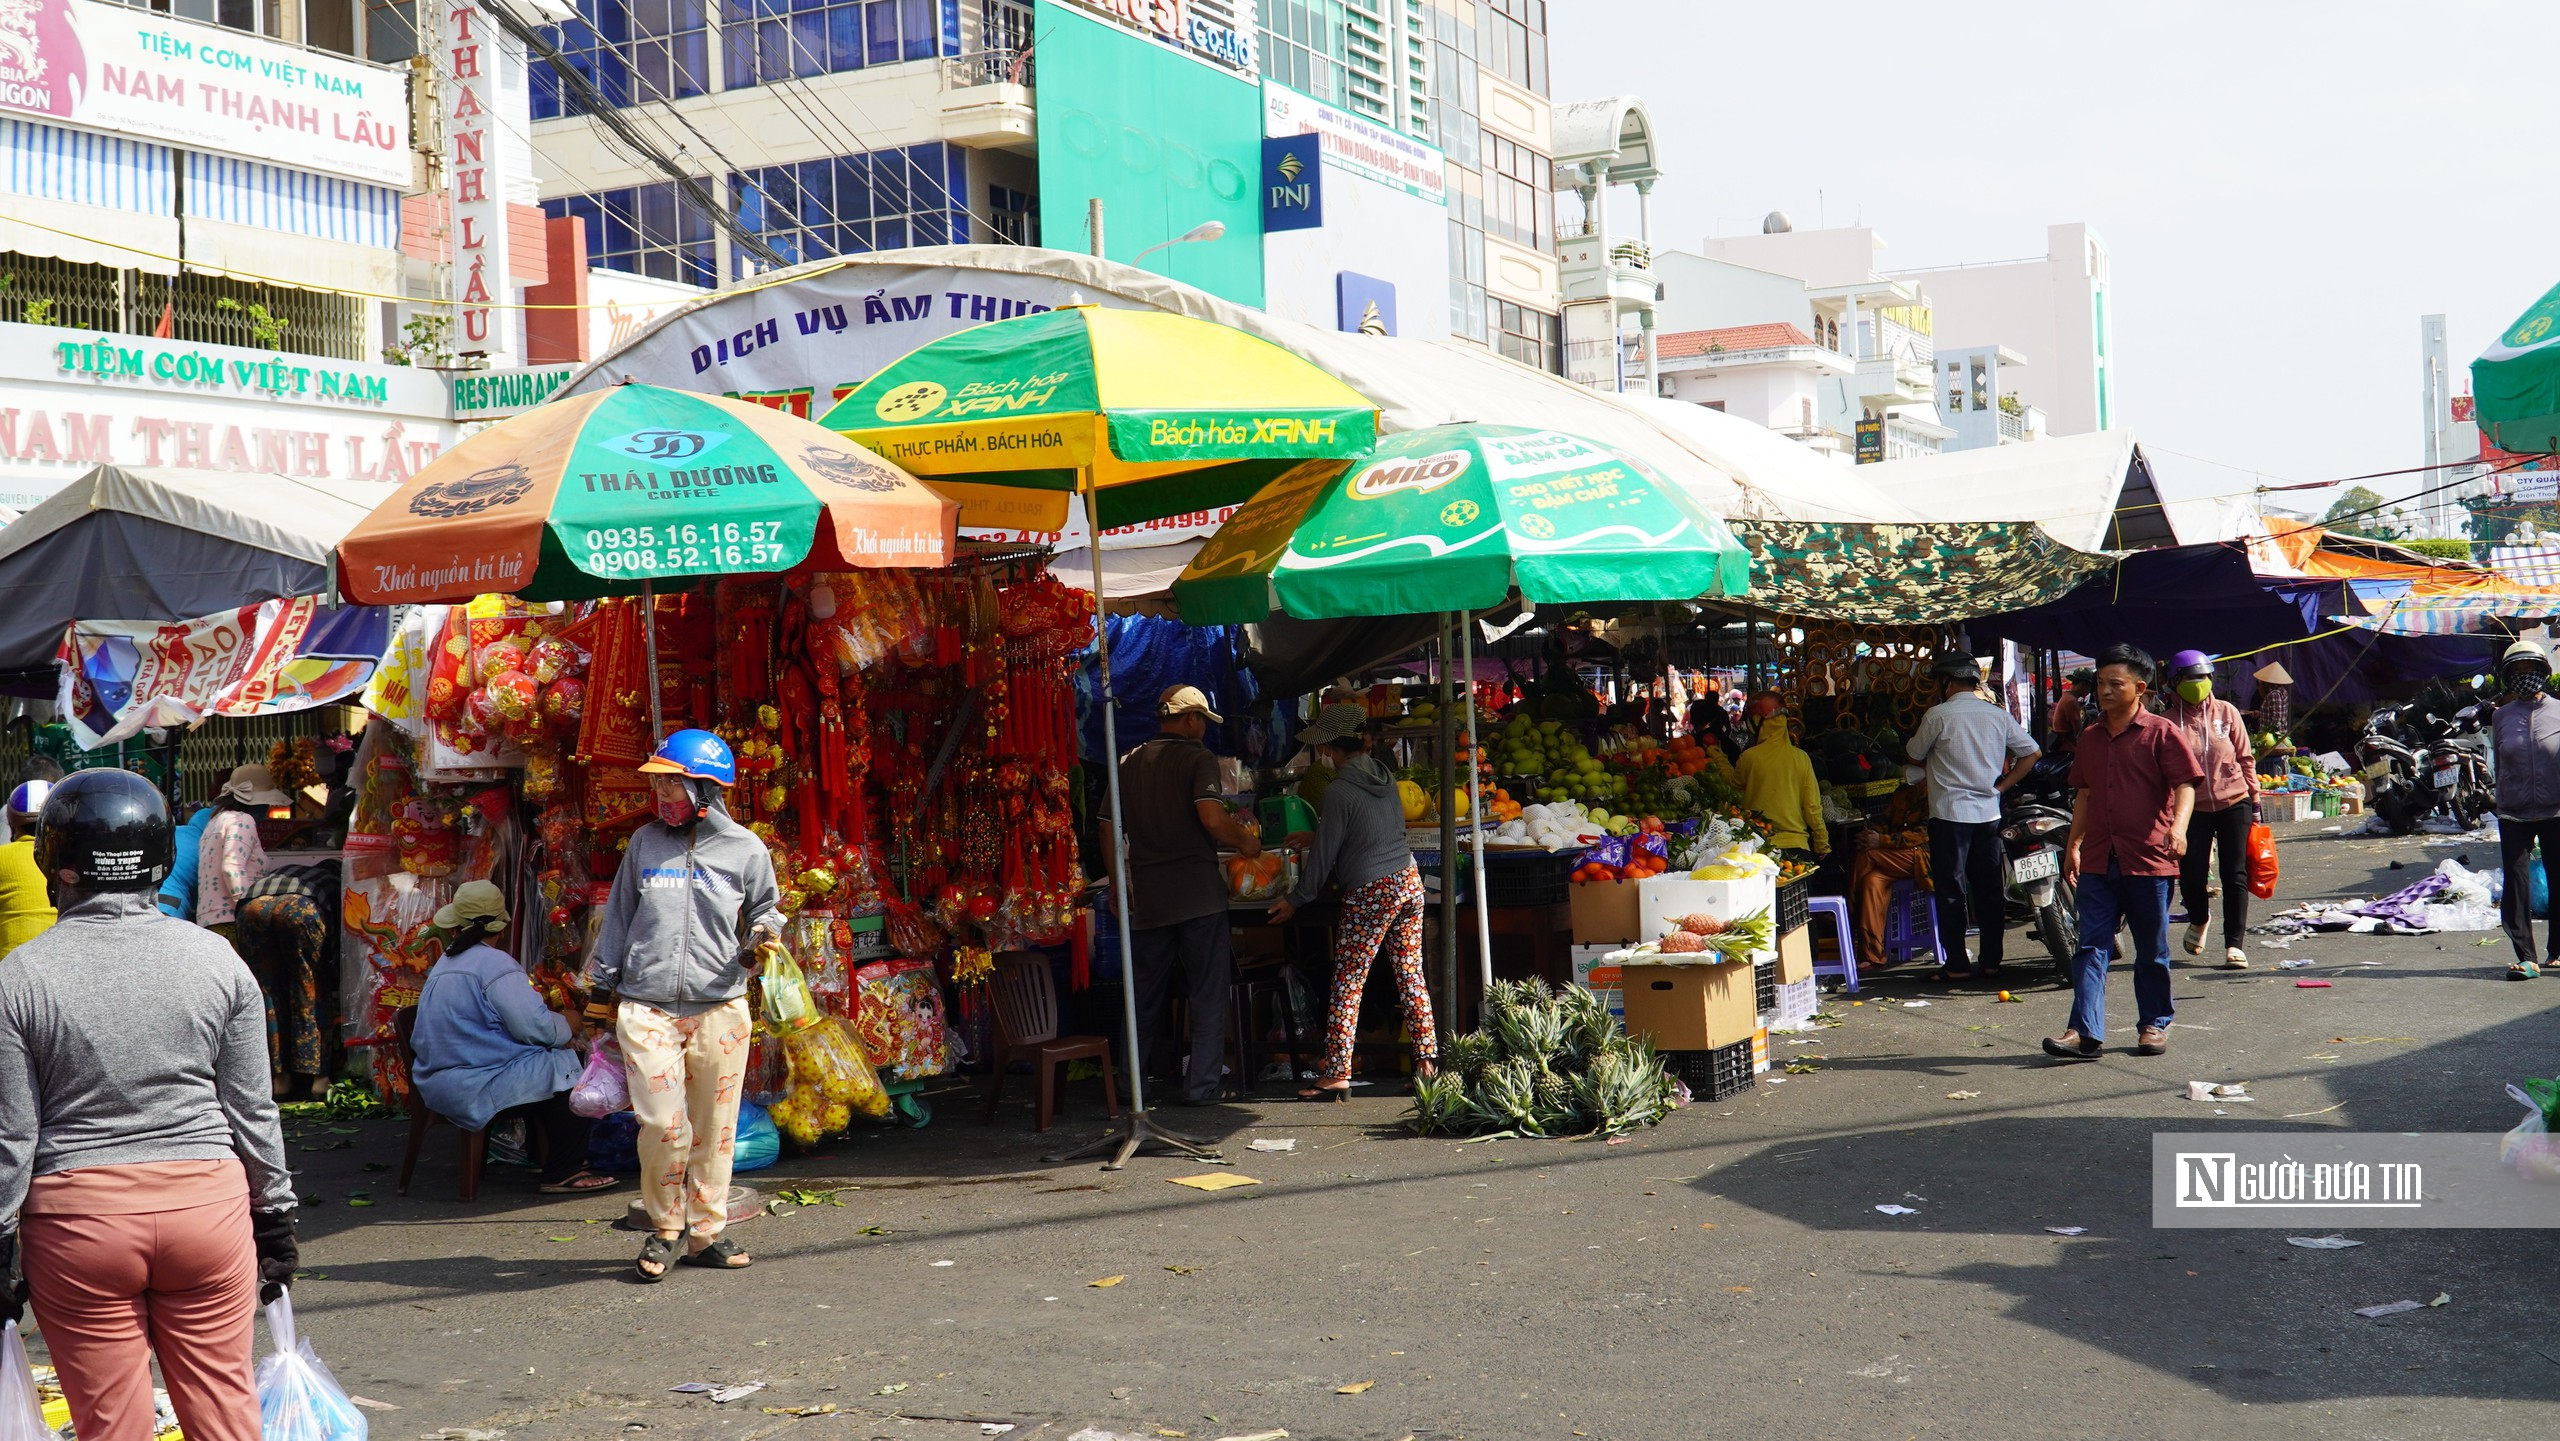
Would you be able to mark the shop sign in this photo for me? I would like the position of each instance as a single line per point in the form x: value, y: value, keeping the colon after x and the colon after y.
x: 478, y: 189
x: 1364, y: 304
x: 1292, y: 183
x: 1177, y: 23
x: 493, y: 394
x: 2534, y: 487
x: 141, y: 363
x: 1355, y: 143
x: 1870, y: 441
x: 129, y: 72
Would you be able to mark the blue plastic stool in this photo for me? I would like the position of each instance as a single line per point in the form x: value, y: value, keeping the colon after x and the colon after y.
x: 1846, y: 967
x: 1911, y: 925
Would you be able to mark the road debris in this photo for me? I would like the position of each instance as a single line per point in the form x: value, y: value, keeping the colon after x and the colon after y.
x: 1105, y: 1283
x: 2321, y: 1243
x: 1964, y: 1095
x: 1214, y: 1181
x: 2068, y: 1230
x: 2311, y: 985
x: 2394, y: 1309
x: 1891, y: 1209
x: 1354, y: 1389
x: 1270, y: 1143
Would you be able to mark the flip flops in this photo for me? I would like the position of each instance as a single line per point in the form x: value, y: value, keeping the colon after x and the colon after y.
x: 2524, y: 971
x: 656, y: 1251
x: 720, y: 1255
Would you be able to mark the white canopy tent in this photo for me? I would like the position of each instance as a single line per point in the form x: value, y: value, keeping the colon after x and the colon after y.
x: 2091, y: 492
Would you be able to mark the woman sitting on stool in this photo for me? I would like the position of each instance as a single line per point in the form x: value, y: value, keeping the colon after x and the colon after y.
x: 487, y: 1047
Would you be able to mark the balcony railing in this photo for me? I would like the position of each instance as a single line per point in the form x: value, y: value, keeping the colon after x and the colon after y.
x: 2012, y: 427
x: 987, y: 67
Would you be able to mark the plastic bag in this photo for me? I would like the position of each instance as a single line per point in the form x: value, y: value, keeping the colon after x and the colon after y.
x: 830, y: 1080
x: 21, y: 1409
x: 2262, y: 862
x: 298, y: 1400
x: 787, y: 1002
x: 2531, y: 1148
x: 603, y: 1088
x: 759, y: 1143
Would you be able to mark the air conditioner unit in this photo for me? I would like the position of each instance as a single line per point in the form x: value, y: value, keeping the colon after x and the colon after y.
x: 1667, y: 388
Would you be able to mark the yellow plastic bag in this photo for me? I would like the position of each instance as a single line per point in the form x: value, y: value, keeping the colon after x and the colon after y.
x: 830, y: 1080
x: 787, y: 1002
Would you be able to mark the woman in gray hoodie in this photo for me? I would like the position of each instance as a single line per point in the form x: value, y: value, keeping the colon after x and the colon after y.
x: 1360, y: 847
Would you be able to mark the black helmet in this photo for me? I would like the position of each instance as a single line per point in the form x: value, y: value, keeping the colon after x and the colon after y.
x: 105, y: 830
x: 1957, y: 667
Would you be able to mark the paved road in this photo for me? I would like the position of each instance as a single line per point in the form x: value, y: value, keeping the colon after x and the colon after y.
x: 1723, y: 1275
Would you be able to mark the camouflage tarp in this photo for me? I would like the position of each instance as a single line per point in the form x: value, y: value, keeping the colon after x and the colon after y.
x: 1907, y: 574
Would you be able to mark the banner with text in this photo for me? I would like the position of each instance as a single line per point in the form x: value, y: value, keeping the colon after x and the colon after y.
x: 122, y: 676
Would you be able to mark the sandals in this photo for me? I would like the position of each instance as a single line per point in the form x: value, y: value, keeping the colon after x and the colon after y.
x: 1326, y: 1094
x: 721, y: 1255
x: 580, y: 1184
x: 656, y: 1251
x: 2524, y: 971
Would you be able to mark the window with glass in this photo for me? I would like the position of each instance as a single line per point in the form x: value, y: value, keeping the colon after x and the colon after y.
x: 644, y: 230
x: 1520, y: 198
x: 1532, y: 337
x: 1305, y: 47
x: 770, y: 40
x: 1013, y: 216
x: 248, y: 15
x: 1514, y: 42
x: 850, y: 204
x: 631, y: 51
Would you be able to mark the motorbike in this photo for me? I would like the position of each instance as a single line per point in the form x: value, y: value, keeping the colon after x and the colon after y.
x: 2429, y: 755
x: 2035, y: 822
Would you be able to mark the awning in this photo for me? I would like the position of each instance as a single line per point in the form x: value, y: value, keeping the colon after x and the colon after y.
x: 256, y: 253
x: 2451, y: 614
x: 2167, y: 600
x: 63, y: 230
x: 132, y: 543
x: 2516, y: 381
x: 1906, y: 574
x: 2091, y: 492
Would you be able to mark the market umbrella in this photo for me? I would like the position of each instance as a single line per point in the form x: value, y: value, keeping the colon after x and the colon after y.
x: 2515, y: 383
x: 1139, y: 414
x: 602, y: 494
x: 1457, y: 517
x: 1149, y: 414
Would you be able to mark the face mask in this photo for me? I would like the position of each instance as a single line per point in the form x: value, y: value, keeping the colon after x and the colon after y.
x: 2194, y: 692
x: 680, y: 812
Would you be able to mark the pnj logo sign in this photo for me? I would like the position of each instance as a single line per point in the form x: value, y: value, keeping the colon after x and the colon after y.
x: 1292, y: 183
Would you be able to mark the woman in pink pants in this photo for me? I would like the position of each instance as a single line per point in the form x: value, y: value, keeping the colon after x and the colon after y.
x: 143, y: 1185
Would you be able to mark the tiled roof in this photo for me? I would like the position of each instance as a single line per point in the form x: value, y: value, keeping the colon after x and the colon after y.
x: 1731, y: 338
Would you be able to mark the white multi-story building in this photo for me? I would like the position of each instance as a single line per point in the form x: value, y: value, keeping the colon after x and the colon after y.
x: 2055, y: 309
x: 1602, y: 147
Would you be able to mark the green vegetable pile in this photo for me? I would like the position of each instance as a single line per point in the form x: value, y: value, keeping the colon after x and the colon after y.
x: 1544, y: 1064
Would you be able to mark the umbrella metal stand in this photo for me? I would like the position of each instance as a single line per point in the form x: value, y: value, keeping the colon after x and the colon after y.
x: 649, y: 632
x: 1448, y: 800
x: 1141, y: 1131
x: 1475, y: 806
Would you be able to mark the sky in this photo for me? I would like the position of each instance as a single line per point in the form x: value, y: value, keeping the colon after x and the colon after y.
x: 2284, y: 188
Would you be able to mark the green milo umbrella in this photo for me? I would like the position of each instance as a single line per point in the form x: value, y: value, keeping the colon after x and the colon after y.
x: 1456, y: 517
x: 2516, y: 381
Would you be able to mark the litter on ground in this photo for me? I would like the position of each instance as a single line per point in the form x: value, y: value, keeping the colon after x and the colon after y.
x: 2321, y: 1243
x: 1267, y: 1143
x: 2068, y: 1230
x: 1893, y: 1210
x: 2393, y: 1309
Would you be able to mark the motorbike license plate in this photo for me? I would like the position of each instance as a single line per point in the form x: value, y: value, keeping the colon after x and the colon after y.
x: 2445, y: 778
x: 2034, y: 866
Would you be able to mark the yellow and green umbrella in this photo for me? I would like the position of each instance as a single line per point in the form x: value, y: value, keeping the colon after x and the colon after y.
x: 1154, y: 414
x: 1457, y: 517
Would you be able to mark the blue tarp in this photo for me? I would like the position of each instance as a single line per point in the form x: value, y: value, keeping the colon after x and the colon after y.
x: 1149, y: 654
x: 2203, y: 597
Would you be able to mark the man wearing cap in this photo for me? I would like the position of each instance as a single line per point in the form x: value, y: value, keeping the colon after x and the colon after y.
x: 1974, y: 750
x: 1176, y: 909
x: 488, y: 1048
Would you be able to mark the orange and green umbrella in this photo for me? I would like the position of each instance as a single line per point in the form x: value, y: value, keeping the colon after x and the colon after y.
x: 605, y: 493
x: 1152, y: 414
x: 1458, y: 517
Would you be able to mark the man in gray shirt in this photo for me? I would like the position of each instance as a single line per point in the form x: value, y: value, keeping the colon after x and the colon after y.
x: 1974, y: 750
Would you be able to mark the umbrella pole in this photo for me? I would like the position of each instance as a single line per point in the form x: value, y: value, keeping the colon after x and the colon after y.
x: 1141, y: 1131
x: 1449, y: 840
x: 649, y: 631
x: 1475, y: 805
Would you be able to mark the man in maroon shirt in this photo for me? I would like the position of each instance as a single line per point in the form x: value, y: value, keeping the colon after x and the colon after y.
x: 2136, y: 781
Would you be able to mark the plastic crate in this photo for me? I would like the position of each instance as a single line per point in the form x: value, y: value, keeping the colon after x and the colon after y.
x: 1796, y: 1004
x: 1713, y: 1075
x: 1795, y: 901
x: 1764, y: 985
x: 1522, y: 878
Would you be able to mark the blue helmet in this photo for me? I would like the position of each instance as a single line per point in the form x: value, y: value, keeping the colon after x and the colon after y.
x: 695, y: 753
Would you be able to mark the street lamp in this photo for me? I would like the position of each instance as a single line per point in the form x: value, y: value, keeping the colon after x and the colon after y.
x: 1205, y: 230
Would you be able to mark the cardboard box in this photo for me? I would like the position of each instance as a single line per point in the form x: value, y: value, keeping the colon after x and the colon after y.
x: 1760, y: 1052
x: 1592, y: 968
x: 1691, y: 1008
x: 1604, y: 911
x: 1795, y: 956
x: 1664, y: 897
